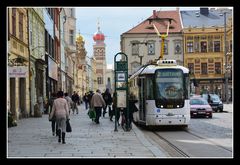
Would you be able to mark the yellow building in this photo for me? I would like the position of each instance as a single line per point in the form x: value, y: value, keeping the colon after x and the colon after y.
x: 81, y: 69
x: 18, y: 63
x: 204, y: 49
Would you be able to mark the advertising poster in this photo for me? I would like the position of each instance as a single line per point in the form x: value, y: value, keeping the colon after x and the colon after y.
x: 121, y: 99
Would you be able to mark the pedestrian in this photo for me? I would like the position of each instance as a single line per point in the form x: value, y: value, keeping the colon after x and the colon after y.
x: 53, y: 120
x: 108, y: 100
x: 132, y: 108
x: 75, y: 99
x: 115, y: 110
x: 90, y: 95
x: 86, y: 100
x: 69, y: 101
x: 60, y: 110
x: 209, y: 99
x: 98, y: 103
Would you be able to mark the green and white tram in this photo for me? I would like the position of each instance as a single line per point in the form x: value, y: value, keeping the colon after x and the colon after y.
x: 163, y: 92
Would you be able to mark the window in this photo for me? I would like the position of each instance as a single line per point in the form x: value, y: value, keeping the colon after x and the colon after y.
x: 217, y: 68
x: 191, y: 68
x: 178, y: 48
x: 71, y: 37
x: 196, y: 43
x: 151, y: 48
x: 100, y: 80
x: 150, y: 88
x: 204, y: 68
x: 190, y: 47
x: 135, y: 49
x: 21, y: 26
x: 203, y: 46
x: 72, y: 13
x: 216, y: 46
x: 210, y: 43
x: 14, y: 21
x: 165, y: 48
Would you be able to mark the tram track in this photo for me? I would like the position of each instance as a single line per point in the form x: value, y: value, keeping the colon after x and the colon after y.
x: 174, y: 147
x: 186, y: 144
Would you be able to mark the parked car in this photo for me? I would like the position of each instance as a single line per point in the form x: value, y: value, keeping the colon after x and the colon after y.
x: 215, y: 102
x: 199, y: 107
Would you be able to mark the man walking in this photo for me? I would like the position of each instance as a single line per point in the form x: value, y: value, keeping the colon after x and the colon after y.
x: 98, y: 103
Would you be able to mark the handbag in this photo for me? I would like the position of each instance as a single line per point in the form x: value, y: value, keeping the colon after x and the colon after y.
x: 68, y: 126
x: 92, y: 113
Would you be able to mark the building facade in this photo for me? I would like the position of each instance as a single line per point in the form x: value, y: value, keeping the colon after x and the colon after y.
x: 51, y: 57
x: 18, y: 63
x: 204, y: 49
x: 37, y: 56
x: 142, y: 44
x: 70, y: 49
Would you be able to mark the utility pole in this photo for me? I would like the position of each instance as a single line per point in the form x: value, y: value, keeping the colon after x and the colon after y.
x: 226, y: 62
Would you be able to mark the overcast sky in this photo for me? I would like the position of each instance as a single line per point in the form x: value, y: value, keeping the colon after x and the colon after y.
x: 113, y: 22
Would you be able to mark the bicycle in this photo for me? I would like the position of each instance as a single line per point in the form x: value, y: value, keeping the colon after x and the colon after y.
x: 124, y: 120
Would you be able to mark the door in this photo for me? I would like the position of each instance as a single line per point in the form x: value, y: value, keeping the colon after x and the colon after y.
x: 142, y: 99
x: 22, y: 96
x: 13, y: 96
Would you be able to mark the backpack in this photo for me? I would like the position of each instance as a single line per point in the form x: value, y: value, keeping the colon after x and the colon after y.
x: 105, y: 97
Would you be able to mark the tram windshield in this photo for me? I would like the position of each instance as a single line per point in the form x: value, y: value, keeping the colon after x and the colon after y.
x: 169, y: 88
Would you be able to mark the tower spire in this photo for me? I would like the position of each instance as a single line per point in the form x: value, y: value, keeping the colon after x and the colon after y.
x: 98, y: 24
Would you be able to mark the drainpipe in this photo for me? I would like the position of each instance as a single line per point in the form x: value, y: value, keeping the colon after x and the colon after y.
x: 29, y: 68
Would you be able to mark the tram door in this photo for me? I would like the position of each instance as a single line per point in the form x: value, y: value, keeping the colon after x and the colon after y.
x: 142, y: 98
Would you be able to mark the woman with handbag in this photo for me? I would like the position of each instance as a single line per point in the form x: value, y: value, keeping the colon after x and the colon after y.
x: 61, y: 110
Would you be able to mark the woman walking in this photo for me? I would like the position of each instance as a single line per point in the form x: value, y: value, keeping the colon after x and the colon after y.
x: 61, y: 110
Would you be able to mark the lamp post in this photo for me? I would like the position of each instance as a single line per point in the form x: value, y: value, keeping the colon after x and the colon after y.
x: 226, y: 61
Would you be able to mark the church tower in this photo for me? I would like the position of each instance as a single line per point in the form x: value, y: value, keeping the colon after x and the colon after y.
x: 99, y: 55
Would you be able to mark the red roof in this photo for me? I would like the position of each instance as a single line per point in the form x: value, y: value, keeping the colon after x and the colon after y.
x: 175, y: 25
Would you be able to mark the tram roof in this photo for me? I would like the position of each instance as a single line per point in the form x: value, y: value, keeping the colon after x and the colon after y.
x: 151, y: 69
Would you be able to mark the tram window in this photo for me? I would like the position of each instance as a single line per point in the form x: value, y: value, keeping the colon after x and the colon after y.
x: 150, y: 89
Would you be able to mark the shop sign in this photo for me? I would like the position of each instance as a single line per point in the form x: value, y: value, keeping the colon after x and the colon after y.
x: 17, y: 71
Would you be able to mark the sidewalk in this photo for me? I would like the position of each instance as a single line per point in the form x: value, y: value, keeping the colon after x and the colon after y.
x: 33, y: 138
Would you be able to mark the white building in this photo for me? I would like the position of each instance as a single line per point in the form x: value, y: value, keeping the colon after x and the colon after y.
x: 141, y: 43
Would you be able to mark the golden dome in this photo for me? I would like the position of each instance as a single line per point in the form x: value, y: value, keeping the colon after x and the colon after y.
x: 79, y: 38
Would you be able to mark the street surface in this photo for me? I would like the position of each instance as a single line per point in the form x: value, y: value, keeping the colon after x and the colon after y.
x: 33, y: 138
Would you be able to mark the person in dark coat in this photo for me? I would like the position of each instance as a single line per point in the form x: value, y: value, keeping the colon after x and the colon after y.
x: 115, y: 111
x: 108, y: 100
x: 53, y: 120
x: 132, y: 108
x: 86, y: 100
x: 75, y: 99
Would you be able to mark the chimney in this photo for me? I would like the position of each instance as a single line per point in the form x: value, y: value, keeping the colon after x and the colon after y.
x: 204, y: 11
x: 154, y: 14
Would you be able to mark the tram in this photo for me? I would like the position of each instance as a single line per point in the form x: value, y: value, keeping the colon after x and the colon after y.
x: 162, y: 91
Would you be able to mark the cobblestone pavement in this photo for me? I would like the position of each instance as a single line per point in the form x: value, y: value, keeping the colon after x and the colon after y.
x: 33, y: 138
